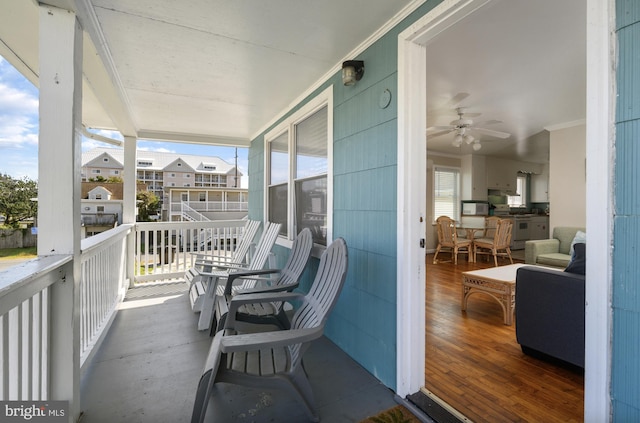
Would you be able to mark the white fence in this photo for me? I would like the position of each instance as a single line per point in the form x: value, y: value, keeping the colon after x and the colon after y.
x: 163, y: 250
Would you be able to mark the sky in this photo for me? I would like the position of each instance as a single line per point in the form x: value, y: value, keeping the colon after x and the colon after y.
x: 19, y: 132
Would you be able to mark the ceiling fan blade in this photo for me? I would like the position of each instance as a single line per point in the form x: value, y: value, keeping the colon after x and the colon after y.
x: 437, y: 134
x: 440, y: 128
x: 489, y: 122
x: 455, y: 100
x: 491, y: 133
x: 448, y: 108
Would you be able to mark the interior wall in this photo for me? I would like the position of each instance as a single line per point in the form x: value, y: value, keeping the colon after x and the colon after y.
x: 567, y: 177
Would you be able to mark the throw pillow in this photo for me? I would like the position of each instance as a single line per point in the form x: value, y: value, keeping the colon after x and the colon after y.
x: 578, y: 264
x: 579, y: 237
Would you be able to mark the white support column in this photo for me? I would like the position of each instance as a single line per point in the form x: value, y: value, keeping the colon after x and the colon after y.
x: 129, y: 197
x: 59, y: 162
x: 130, y: 178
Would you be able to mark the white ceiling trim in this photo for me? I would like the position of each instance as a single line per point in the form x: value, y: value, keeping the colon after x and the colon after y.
x: 406, y: 11
x: 110, y: 90
x: 193, y: 138
x: 566, y: 125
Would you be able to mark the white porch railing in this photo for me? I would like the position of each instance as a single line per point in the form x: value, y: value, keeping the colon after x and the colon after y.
x: 210, y: 206
x: 192, y: 215
x: 25, y: 293
x: 35, y: 339
x: 163, y: 250
x: 103, y: 284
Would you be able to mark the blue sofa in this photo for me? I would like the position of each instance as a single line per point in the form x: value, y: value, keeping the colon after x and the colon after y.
x: 550, y: 313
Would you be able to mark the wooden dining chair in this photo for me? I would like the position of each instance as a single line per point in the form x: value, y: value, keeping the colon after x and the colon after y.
x: 490, y: 224
x: 499, y: 242
x: 448, y: 239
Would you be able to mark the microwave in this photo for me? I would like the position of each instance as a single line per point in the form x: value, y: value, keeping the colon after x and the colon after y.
x: 475, y: 209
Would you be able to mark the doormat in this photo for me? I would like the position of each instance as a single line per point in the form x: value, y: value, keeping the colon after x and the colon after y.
x: 397, y: 414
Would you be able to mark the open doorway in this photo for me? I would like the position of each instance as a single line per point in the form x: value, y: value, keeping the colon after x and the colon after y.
x: 413, y: 59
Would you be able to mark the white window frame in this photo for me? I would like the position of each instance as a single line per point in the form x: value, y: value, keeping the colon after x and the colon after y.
x: 519, y: 200
x: 447, y: 168
x: 323, y: 99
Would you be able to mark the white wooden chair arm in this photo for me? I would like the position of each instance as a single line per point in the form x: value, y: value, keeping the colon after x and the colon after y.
x: 261, y: 340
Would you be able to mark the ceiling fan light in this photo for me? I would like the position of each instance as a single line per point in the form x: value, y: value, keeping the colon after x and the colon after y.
x: 457, y: 140
x: 477, y: 146
x: 468, y: 139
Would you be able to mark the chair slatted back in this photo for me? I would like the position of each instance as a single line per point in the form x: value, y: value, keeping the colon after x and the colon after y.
x: 248, y: 233
x: 262, y: 251
x: 502, y: 237
x: 296, y: 263
x: 298, y: 259
x: 239, y: 255
x: 490, y: 224
x: 324, y: 292
x: 446, y: 231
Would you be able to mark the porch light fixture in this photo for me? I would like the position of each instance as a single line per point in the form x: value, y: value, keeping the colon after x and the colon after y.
x: 352, y: 71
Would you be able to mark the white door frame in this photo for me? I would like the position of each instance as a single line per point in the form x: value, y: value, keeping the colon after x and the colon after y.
x: 412, y: 155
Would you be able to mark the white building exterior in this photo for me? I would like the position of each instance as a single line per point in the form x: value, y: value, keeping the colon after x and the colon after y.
x: 182, y: 182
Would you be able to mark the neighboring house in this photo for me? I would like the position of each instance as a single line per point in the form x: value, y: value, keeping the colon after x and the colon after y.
x: 101, y: 207
x: 188, y: 186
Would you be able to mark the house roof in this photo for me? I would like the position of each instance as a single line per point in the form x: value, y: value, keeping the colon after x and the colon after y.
x: 115, y: 188
x: 161, y: 160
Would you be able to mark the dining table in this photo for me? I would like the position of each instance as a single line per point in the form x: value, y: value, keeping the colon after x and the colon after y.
x: 470, y: 234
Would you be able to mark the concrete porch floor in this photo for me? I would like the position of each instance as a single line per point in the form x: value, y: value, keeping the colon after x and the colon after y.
x: 148, y: 367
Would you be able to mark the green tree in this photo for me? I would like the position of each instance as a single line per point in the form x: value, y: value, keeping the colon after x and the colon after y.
x: 148, y: 205
x: 17, y: 202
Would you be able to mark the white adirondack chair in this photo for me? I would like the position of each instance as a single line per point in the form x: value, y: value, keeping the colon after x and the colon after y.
x: 206, y: 262
x: 207, y: 287
x: 274, y: 359
x: 250, y: 282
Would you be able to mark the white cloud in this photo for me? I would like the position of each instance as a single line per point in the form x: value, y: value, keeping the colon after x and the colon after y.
x: 17, y: 102
x: 18, y: 117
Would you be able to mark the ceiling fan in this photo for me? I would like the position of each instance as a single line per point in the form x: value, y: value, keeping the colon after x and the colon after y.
x: 462, y: 127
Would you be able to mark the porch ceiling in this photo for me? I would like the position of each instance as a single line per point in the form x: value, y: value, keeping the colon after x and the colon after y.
x: 211, y: 71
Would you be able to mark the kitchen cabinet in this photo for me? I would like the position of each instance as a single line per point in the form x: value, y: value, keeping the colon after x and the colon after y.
x: 539, y: 227
x: 501, y: 174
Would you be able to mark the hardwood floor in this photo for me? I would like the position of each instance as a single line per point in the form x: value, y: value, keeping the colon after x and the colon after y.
x: 474, y: 363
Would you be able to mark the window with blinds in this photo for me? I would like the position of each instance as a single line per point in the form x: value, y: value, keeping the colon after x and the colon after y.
x: 297, y: 171
x: 446, y: 192
x: 279, y: 181
x: 311, y: 175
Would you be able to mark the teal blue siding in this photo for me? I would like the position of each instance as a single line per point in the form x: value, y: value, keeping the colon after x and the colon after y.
x: 365, y: 170
x: 625, y: 368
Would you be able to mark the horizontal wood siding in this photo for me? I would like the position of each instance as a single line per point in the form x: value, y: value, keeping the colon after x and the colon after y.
x: 625, y: 391
x: 363, y: 323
